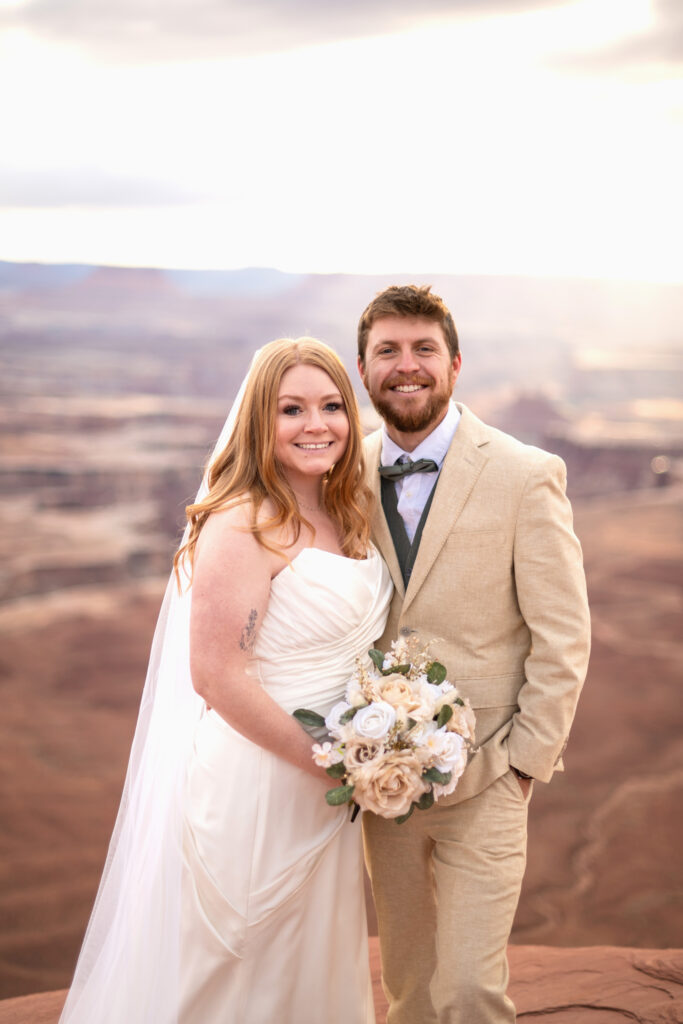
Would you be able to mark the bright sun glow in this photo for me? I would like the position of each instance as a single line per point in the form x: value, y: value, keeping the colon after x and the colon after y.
x: 466, y: 146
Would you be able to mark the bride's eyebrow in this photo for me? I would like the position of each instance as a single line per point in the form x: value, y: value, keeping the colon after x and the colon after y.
x: 300, y: 398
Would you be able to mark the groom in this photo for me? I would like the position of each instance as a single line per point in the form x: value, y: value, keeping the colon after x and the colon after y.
x: 477, y: 533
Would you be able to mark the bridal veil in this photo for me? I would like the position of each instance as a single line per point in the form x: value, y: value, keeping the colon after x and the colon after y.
x: 128, y: 968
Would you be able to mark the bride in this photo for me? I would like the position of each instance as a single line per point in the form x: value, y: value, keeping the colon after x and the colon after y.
x: 232, y: 892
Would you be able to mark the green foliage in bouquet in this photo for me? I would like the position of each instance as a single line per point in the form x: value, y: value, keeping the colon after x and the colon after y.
x: 396, y: 743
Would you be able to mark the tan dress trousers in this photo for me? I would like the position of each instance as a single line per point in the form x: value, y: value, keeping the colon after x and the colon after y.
x: 446, y: 885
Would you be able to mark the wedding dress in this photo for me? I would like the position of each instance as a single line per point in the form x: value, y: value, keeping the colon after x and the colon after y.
x: 273, y: 916
x: 232, y: 893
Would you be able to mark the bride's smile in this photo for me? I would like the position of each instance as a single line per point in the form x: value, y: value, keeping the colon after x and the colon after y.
x: 312, y: 428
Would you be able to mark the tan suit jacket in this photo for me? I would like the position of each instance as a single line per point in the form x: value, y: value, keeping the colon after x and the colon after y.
x: 499, y: 591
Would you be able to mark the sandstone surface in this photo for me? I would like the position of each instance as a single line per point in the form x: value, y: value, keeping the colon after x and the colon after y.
x: 594, y: 985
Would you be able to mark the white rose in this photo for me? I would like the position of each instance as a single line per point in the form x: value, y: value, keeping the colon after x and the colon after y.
x: 457, y: 762
x: 332, y: 720
x: 447, y: 750
x: 421, y: 732
x: 374, y: 721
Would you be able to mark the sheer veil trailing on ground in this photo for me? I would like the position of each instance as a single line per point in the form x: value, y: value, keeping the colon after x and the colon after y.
x: 128, y: 965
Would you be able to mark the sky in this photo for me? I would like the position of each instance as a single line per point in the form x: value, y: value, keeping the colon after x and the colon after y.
x: 365, y: 136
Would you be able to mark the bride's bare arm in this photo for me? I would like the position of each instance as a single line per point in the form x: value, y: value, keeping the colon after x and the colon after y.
x: 230, y: 592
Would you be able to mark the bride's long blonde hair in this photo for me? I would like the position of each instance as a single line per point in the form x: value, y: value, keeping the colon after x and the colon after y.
x: 247, y: 469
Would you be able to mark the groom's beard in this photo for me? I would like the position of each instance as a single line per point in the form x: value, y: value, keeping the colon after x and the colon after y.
x: 413, y: 420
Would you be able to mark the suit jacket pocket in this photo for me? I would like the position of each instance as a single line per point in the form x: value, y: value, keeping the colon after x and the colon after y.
x: 491, y: 691
x: 475, y: 539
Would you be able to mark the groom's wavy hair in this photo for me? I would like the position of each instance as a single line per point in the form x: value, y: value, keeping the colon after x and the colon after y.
x: 409, y: 300
x: 247, y: 470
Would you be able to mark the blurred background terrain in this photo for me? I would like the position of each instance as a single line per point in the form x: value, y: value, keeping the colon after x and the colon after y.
x: 114, y: 384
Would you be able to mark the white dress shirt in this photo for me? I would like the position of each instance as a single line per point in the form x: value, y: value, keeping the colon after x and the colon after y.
x: 413, y: 491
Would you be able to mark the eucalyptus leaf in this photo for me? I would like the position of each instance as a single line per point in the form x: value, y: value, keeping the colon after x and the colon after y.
x: 436, y: 673
x: 459, y: 701
x: 336, y: 771
x: 410, y: 723
x: 434, y: 775
x: 445, y: 715
x: 348, y: 715
x: 376, y: 657
x: 404, y: 817
x: 309, y: 719
x: 403, y: 669
x: 426, y: 800
x: 339, y: 795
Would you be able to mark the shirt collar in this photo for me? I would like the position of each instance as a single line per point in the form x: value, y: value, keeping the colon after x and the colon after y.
x: 434, y: 446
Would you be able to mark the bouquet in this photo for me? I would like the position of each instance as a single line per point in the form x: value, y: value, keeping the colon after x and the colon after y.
x: 400, y: 738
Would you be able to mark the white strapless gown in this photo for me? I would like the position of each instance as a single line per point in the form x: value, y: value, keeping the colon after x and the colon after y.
x: 274, y: 928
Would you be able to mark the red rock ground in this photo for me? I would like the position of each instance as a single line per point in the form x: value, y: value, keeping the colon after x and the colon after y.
x: 596, y: 985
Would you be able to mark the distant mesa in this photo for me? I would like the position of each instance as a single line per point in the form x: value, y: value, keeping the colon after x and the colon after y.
x: 124, y: 279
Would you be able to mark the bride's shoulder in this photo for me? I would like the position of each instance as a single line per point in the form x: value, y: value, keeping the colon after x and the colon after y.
x: 238, y: 515
x: 229, y: 527
x: 233, y: 533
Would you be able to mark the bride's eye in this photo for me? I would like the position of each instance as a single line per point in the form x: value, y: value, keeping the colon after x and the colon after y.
x: 334, y: 407
x: 290, y: 410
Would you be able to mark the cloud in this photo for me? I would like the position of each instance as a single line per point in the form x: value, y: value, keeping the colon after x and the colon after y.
x: 655, y: 52
x: 133, y: 31
x: 85, y: 187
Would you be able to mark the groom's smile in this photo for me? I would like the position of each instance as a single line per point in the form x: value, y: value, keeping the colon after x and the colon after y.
x: 409, y: 374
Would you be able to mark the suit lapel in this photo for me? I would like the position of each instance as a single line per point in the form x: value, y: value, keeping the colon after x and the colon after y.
x: 463, y: 463
x: 381, y: 534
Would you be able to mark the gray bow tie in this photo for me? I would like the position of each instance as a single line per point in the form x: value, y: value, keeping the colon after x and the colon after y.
x: 400, y: 469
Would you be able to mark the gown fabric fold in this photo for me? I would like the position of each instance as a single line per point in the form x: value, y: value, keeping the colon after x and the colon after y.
x: 273, y: 913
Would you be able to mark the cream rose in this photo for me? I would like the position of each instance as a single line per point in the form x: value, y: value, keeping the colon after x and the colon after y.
x: 374, y: 721
x: 427, y: 696
x: 397, y: 691
x: 462, y: 722
x: 389, y: 786
x: 360, y: 751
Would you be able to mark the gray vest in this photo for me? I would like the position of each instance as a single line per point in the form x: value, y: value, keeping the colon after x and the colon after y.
x: 405, y: 551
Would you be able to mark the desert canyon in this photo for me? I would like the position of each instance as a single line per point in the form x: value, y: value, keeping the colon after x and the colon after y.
x: 113, y: 385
